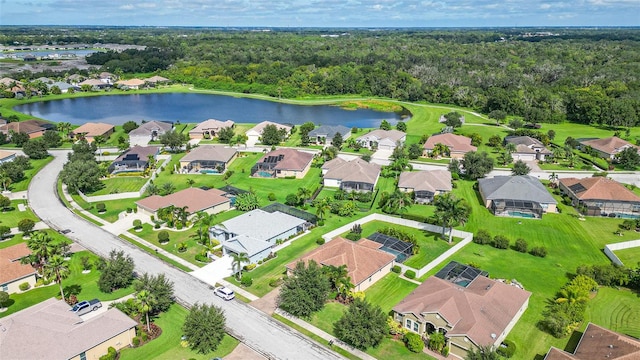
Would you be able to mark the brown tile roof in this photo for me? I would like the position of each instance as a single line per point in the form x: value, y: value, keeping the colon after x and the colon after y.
x: 483, y: 308
x: 195, y: 199
x: 456, y: 143
x: 131, y: 82
x: 142, y: 152
x: 258, y: 128
x: 211, y: 153
x: 93, y: 129
x: 92, y: 82
x: 157, y: 79
x: 356, y: 170
x: 5, y: 154
x: 433, y: 180
x: 27, y: 126
x: 291, y: 159
x: 10, y: 267
x: 600, y: 343
x: 333, y: 163
x: 362, y: 258
x: 610, y: 146
x: 61, y: 334
x: 599, y: 188
x: 211, y: 124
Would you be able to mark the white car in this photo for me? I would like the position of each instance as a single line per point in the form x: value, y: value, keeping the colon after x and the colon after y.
x: 224, y: 293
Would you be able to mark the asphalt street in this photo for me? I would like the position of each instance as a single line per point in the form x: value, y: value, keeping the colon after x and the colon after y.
x: 254, y: 328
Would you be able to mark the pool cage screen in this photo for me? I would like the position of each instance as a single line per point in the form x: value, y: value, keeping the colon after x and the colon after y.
x: 394, y: 246
x: 459, y: 274
x: 508, y: 206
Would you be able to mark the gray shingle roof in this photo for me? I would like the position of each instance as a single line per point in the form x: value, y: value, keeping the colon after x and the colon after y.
x: 148, y: 128
x: 246, y: 244
x: 262, y: 225
x: 210, y: 153
x: 329, y: 131
x: 523, y: 187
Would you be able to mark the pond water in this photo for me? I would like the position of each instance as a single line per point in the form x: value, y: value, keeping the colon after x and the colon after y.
x: 40, y: 53
x: 193, y: 108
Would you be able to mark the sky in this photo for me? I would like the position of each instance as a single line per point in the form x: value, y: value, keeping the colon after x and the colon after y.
x: 322, y: 13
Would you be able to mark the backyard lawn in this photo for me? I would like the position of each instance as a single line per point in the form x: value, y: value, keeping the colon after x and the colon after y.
x: 12, y: 217
x: 168, y: 346
x: 120, y: 184
x: 618, y: 310
x: 629, y: 257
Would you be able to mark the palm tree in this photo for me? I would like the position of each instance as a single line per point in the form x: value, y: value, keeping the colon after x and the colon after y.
x: 5, y: 180
x: 64, y: 127
x: 344, y: 287
x: 99, y: 140
x: 236, y: 264
x: 396, y: 202
x: 190, y: 182
x: 439, y: 150
x: 304, y: 194
x: 553, y: 178
x: 145, y: 301
x: 450, y: 211
x: 41, y: 248
x: 510, y: 147
x: 58, y: 268
x: 571, y: 295
x: 336, y: 275
x: 322, y: 207
x: 181, y: 214
x: 205, y: 219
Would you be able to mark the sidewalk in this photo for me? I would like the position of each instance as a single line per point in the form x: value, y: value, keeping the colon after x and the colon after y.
x: 324, y: 335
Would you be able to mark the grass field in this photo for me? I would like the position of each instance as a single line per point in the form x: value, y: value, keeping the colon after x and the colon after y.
x: 167, y: 346
x: 120, y: 184
x: 12, y: 217
x: 629, y: 257
x: 618, y: 310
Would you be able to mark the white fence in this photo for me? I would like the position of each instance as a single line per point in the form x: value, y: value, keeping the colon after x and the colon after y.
x: 610, y: 248
x: 467, y: 237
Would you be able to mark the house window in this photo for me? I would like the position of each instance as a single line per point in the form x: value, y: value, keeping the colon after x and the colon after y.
x: 5, y: 288
x: 635, y: 208
x: 415, y: 327
x: 408, y: 324
x: 83, y: 356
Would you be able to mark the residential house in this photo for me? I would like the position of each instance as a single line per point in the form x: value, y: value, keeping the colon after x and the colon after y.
x: 597, y: 343
x: 382, y: 139
x: 527, y: 148
x: 458, y: 145
x: 517, y: 196
x: 12, y: 271
x: 461, y: 302
x: 256, y: 232
x: 600, y: 196
x: 62, y: 334
x: 209, y: 128
x: 324, y: 134
x: 425, y: 184
x: 89, y: 131
x: 207, y: 159
x: 75, y: 79
x: 6, y: 156
x: 63, y: 86
x: 283, y: 163
x: 14, y: 86
x: 148, y: 131
x: 133, y: 84
x: 45, y: 80
x: 33, y: 128
x: 255, y: 133
x: 135, y: 159
x: 95, y: 84
x: 107, y: 77
x: 364, y: 260
x: 211, y: 201
x: 157, y: 80
x: 607, y: 148
x: 354, y: 175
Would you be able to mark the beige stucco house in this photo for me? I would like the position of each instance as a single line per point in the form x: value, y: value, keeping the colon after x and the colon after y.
x: 211, y: 201
x: 283, y: 163
x: 12, y: 272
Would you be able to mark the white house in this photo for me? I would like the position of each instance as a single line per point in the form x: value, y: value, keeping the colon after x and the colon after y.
x: 382, y: 139
x: 254, y: 134
x: 149, y: 131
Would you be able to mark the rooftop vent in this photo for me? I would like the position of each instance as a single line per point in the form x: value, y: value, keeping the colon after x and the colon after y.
x: 493, y: 336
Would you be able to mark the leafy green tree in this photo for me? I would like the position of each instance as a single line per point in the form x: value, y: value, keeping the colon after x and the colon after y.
x: 4, y: 231
x: 5, y: 203
x: 498, y: 116
x: 495, y: 140
x: 204, y: 328
x: 226, y: 134
x: 453, y: 119
x: 362, y: 326
x: 236, y: 263
x: 520, y: 168
x: 476, y: 139
x: 385, y: 125
x: 306, y: 291
x: 160, y: 287
x: 35, y: 149
x: 52, y: 139
x: 337, y: 140
x: 271, y: 135
x: 26, y: 226
x: 401, y: 126
x: 451, y: 211
x: 516, y: 123
x: 483, y: 353
x: 4, y: 297
x: 18, y: 138
x: 477, y: 164
x: 629, y: 158
x: 305, y: 129
x: 173, y: 140
x: 117, y: 272
x: 414, y: 151
x: 81, y: 175
x: 129, y: 126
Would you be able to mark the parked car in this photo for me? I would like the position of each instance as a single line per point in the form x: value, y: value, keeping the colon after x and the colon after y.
x: 84, y: 307
x: 224, y: 293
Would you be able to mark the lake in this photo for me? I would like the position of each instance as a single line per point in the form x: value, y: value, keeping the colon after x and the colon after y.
x: 194, y: 108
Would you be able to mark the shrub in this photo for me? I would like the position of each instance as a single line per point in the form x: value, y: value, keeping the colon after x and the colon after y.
x: 271, y: 197
x: 112, y: 354
x: 455, y: 176
x: 101, y: 207
x: 129, y: 210
x: 246, y: 281
x: 320, y: 241
x: 507, y: 348
x: 163, y: 236
x: 500, y: 242
x: 24, y: 286
x: 627, y: 224
x: 137, y: 223
x: 136, y: 341
x: 214, y: 242
x: 539, y: 251
x: 202, y: 258
x: 482, y: 237
x: 179, y: 226
x: 156, y: 226
x: 353, y: 236
x: 153, y: 218
x: 410, y: 274
x: 521, y: 245
x: 396, y: 269
x: 227, y: 174
x: 249, y: 267
x: 274, y: 282
x: 413, y: 342
x: 320, y: 223
x: 291, y: 200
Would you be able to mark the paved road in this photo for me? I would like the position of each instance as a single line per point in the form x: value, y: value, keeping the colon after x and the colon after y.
x: 252, y: 327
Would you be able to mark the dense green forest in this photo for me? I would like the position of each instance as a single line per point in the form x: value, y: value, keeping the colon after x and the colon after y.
x: 543, y: 75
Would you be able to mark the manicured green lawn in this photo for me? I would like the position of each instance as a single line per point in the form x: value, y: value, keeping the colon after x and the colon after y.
x: 168, y: 346
x: 114, y: 208
x: 120, y: 184
x: 629, y: 257
x: 12, y: 218
x: 618, y: 310
x: 10, y: 241
x: 388, y: 291
x: 329, y: 315
x: 88, y: 284
x: 175, y: 237
x: 36, y: 165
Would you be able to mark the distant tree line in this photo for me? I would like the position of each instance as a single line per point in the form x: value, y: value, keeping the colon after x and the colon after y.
x: 134, y: 61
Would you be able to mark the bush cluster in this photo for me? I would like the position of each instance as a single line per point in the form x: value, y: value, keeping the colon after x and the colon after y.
x: 246, y: 280
x: 112, y: 354
x: 507, y: 349
x: 413, y: 342
x: 396, y: 269
x: 410, y: 274
x: 483, y: 237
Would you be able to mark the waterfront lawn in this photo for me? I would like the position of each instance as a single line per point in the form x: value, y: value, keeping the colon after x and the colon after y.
x: 168, y: 346
x: 88, y: 283
x: 12, y: 217
x: 120, y: 184
x: 36, y: 165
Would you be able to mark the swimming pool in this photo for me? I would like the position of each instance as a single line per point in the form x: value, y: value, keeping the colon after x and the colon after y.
x: 209, y: 171
x: 521, y: 214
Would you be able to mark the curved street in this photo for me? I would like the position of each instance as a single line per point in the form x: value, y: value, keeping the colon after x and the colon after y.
x: 254, y: 328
